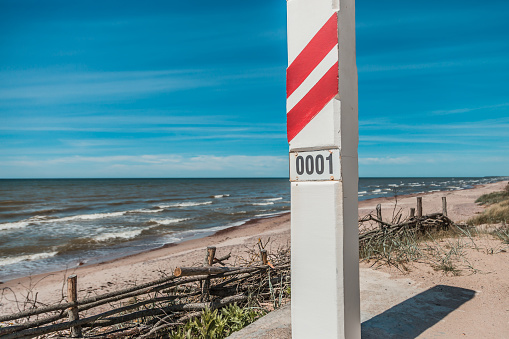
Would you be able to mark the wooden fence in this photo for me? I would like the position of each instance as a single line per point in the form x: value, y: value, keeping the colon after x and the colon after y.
x: 168, y: 302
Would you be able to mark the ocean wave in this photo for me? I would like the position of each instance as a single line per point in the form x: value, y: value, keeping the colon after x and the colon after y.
x: 21, y: 223
x: 144, y: 210
x: 99, y: 240
x: 29, y: 212
x: 28, y: 257
x: 126, y: 202
x: 89, y: 216
x: 14, y: 225
x: 170, y: 239
x: 220, y: 196
x: 167, y: 221
x: 117, y: 235
x: 262, y: 203
x: 273, y: 199
x: 14, y: 202
x: 265, y: 215
x: 186, y: 204
x: 48, y: 219
x: 191, y: 233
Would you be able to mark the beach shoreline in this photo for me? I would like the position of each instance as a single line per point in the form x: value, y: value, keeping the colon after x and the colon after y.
x: 364, y: 206
x: 107, y: 276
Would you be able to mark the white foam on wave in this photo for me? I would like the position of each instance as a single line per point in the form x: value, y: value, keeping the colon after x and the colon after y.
x: 118, y: 235
x: 168, y: 221
x: 14, y: 225
x: 221, y: 196
x: 170, y: 239
x: 144, y: 210
x: 186, y: 204
x: 377, y: 191
x: 273, y: 199
x: 21, y: 223
x: 191, y: 233
x: 262, y: 203
x: 28, y: 257
x: 363, y: 192
x: 89, y: 216
x: 270, y: 214
x: 95, y: 216
x: 393, y: 185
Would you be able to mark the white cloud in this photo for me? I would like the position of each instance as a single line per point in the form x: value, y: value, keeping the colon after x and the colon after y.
x: 61, y: 86
x: 385, y: 160
x: 149, y: 165
x: 468, y: 109
x: 74, y: 86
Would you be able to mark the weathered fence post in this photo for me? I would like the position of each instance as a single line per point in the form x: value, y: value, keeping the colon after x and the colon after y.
x: 211, y: 253
x: 444, y: 206
x: 412, y: 212
x: 263, y: 256
x: 209, y: 261
x: 379, y: 214
x: 419, y: 207
x: 72, y: 296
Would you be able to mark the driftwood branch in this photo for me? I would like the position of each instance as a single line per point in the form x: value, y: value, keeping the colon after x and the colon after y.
x: 414, y: 224
x: 206, y: 270
x: 221, y: 259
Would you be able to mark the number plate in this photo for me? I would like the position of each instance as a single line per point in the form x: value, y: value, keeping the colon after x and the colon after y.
x: 315, y: 165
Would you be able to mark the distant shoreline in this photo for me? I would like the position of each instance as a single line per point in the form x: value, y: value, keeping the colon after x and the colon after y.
x: 261, y: 178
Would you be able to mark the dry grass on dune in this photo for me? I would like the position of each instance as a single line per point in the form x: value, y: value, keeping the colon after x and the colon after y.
x: 445, y: 248
x: 497, y: 210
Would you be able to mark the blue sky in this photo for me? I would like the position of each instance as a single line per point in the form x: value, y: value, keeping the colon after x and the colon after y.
x: 197, y: 88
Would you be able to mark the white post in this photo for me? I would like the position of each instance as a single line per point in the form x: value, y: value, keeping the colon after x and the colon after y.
x: 323, y: 137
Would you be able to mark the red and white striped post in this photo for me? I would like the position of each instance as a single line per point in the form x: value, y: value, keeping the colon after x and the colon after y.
x: 322, y: 126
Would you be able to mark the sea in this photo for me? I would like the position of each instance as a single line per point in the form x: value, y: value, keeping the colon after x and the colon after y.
x: 54, y: 224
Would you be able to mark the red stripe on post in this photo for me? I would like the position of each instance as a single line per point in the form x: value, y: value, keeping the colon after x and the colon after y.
x: 312, y: 55
x: 313, y: 102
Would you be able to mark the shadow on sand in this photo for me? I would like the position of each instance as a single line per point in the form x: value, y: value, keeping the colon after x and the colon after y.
x: 415, y: 315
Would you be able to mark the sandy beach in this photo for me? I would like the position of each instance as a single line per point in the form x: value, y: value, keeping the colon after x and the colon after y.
x: 490, y: 277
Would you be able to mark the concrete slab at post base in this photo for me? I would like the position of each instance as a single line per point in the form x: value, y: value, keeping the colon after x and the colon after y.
x: 321, y: 268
